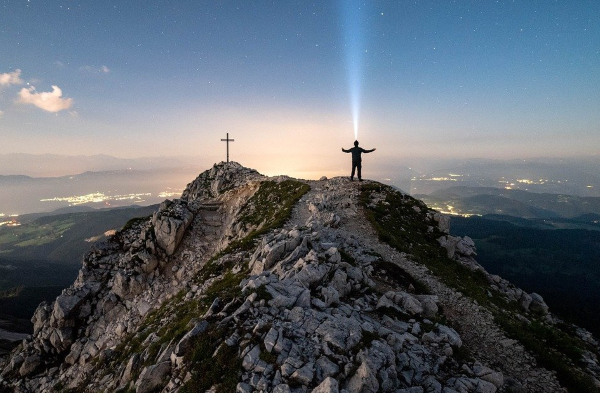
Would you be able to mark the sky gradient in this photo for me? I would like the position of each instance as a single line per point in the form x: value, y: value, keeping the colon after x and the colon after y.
x: 499, y: 79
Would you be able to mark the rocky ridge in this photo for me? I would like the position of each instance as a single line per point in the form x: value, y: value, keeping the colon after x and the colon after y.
x: 256, y: 284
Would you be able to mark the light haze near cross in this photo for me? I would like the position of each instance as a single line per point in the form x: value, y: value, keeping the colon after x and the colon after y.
x: 289, y: 81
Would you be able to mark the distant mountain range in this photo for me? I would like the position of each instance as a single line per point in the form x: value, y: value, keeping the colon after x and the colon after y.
x: 567, y: 176
x: 24, y: 194
x: 518, y: 203
x: 52, y: 165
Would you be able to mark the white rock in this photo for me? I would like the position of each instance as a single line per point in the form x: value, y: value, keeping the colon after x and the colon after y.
x: 271, y: 339
x: 329, y: 385
x: 251, y: 358
x: 153, y: 377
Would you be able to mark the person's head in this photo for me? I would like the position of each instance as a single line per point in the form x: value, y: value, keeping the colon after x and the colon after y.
x: 355, y: 143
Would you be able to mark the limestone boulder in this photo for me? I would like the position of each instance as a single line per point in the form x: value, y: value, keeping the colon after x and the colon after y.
x: 170, y: 223
x: 29, y: 365
x: 153, y: 377
x: 402, y: 301
x: 66, y: 306
x: 329, y: 385
x: 538, y: 305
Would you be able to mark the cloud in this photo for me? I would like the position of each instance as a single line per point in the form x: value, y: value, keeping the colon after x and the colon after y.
x: 48, y: 101
x: 95, y: 70
x: 11, y: 78
x: 1, y: 114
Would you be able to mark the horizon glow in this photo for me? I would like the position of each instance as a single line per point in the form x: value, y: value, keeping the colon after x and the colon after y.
x: 353, y: 36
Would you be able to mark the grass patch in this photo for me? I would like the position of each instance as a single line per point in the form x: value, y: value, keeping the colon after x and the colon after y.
x: 226, y: 288
x: 263, y: 294
x: 222, y: 369
x: 347, y: 257
x: 366, y: 339
x: 273, y: 203
x: 268, y: 357
x: 395, y: 276
x: 269, y: 208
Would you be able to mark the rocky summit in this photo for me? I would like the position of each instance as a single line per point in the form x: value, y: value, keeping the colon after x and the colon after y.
x: 251, y: 284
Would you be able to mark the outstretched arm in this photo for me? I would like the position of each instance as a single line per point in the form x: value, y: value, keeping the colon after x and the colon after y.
x: 369, y: 151
x: 345, y: 151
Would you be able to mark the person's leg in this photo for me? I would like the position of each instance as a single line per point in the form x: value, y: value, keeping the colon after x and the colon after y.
x: 359, y: 167
x: 353, y: 169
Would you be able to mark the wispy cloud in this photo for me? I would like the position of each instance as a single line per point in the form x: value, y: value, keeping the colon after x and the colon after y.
x: 1, y: 114
x: 11, y: 78
x: 48, y: 101
x: 95, y: 70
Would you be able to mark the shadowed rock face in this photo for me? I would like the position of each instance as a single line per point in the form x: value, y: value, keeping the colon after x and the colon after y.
x: 197, y: 297
x: 170, y: 223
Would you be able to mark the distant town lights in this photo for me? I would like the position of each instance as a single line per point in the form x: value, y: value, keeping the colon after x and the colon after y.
x: 96, y: 197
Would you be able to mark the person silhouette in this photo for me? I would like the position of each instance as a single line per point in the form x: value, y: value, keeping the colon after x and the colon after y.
x: 356, y: 159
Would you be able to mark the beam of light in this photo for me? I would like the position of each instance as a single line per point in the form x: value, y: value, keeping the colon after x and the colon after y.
x: 354, y: 50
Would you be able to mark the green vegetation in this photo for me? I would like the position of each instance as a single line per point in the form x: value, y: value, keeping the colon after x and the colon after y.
x: 174, y: 319
x: 269, y: 208
x: 395, y: 276
x: 347, y: 257
x: 402, y: 222
x: 62, y: 238
x: 366, y: 340
x: 272, y: 203
x: 34, y: 234
x: 221, y: 369
x: 268, y: 357
x: 43, y: 255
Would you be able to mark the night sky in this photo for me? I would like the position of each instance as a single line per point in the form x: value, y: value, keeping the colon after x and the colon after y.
x: 288, y: 80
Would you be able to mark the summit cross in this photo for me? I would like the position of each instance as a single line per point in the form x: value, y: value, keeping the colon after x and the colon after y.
x: 227, y: 140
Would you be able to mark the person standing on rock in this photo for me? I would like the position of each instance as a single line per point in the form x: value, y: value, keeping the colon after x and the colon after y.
x: 356, y: 159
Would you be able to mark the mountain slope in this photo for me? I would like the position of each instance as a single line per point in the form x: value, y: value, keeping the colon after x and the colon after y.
x: 252, y: 284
